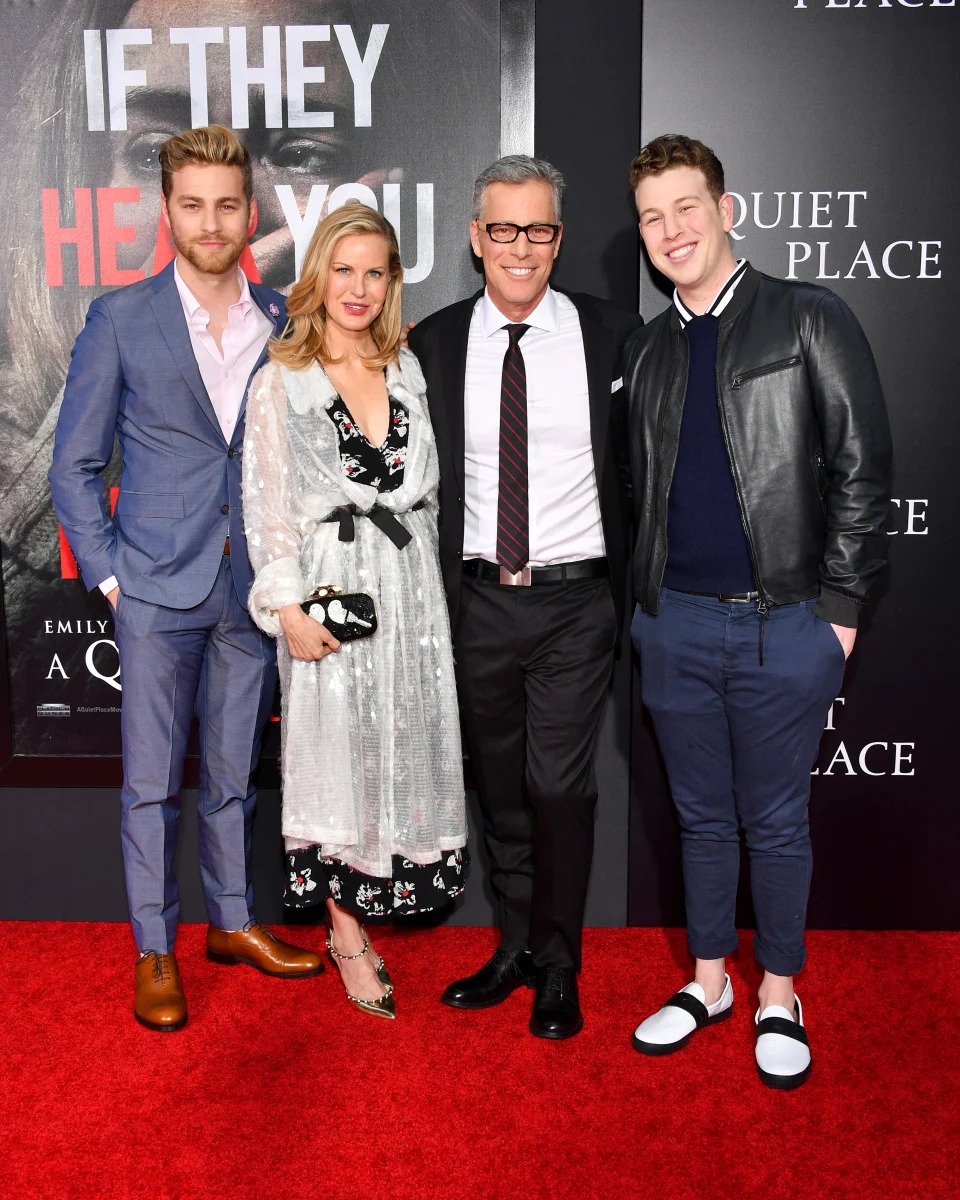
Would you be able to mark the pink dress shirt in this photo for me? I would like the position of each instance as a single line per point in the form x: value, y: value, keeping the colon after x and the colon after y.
x: 225, y: 373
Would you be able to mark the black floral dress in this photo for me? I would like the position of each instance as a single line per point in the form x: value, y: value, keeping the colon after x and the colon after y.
x: 414, y: 887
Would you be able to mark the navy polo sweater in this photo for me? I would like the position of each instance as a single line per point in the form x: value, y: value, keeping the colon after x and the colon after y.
x: 706, y: 544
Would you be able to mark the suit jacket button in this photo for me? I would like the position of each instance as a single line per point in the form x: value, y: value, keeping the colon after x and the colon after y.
x: 224, y: 508
x: 231, y: 453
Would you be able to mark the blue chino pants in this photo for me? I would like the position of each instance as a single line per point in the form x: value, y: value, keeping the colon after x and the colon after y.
x: 739, y: 741
x: 212, y: 660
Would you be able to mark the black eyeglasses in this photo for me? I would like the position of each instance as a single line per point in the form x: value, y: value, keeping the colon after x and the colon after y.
x: 505, y: 231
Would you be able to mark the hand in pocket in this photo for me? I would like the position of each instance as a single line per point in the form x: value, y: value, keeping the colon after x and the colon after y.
x: 846, y: 637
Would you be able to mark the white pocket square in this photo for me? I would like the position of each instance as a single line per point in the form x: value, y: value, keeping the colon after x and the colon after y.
x: 616, y: 385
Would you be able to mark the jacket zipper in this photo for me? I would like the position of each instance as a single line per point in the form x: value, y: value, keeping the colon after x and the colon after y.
x: 820, y: 479
x: 764, y: 614
x: 756, y: 372
x: 762, y: 603
x: 666, y: 499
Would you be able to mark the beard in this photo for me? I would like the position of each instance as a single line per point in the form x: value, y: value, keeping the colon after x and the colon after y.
x: 210, y: 262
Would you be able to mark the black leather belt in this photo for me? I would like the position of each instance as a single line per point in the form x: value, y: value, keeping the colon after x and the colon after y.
x: 383, y: 518
x: 571, y: 572
x: 729, y: 597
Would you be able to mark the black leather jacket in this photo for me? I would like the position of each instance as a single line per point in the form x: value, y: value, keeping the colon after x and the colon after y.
x: 806, y: 429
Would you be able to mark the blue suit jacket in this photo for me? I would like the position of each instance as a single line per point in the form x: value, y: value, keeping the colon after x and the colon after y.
x: 133, y: 373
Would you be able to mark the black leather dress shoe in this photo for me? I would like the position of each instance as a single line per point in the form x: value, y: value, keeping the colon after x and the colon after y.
x: 556, y: 1009
x: 493, y: 983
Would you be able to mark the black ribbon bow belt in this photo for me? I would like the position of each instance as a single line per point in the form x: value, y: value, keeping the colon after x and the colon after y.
x: 383, y: 518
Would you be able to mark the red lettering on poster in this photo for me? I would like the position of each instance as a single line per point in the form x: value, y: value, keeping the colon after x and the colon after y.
x: 248, y: 266
x: 110, y: 234
x: 164, y: 252
x: 79, y: 235
x: 68, y: 564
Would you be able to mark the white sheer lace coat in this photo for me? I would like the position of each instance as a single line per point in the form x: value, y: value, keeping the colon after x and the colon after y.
x: 371, y: 758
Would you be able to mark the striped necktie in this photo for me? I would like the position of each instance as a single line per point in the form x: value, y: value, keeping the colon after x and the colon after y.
x: 513, y: 512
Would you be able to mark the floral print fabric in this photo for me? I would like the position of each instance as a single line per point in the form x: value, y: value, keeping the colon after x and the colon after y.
x: 378, y: 466
x: 414, y: 887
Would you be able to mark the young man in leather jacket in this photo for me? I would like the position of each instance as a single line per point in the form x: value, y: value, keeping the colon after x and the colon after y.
x: 760, y: 464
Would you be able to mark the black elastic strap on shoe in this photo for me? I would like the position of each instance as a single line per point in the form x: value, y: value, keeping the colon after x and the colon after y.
x: 785, y: 1026
x: 690, y: 1004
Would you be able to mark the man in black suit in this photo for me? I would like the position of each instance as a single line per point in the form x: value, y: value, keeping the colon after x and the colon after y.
x: 525, y: 397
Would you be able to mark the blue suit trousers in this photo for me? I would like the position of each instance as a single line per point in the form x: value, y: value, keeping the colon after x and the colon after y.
x: 739, y: 740
x: 210, y: 659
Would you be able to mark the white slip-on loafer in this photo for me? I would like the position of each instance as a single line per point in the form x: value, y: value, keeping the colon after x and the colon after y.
x: 675, y: 1024
x: 783, y: 1052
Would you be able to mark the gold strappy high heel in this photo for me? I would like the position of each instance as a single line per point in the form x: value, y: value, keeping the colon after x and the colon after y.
x: 382, y: 973
x: 384, y: 1005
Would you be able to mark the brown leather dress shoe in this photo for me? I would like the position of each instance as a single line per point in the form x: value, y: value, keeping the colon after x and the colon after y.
x: 257, y: 947
x: 158, y: 999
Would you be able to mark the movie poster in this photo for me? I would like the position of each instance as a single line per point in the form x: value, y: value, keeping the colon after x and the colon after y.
x: 393, y: 103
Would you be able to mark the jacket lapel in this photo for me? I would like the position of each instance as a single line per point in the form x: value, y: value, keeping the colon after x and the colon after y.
x: 596, y: 353
x: 453, y: 367
x: 279, y: 320
x: 168, y: 310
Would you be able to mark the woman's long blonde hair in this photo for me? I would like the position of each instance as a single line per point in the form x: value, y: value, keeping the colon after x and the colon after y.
x: 304, y: 340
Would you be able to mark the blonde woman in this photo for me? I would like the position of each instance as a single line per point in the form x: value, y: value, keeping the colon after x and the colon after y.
x: 340, y: 488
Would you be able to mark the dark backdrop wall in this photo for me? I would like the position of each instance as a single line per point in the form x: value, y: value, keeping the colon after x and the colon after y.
x: 588, y: 103
x: 834, y: 122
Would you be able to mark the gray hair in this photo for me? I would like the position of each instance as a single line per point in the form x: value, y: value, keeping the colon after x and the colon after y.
x: 518, y: 168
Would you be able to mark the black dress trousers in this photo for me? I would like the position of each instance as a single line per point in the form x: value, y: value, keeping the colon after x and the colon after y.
x: 533, y: 670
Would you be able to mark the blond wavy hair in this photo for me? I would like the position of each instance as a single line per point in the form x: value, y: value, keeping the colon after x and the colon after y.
x: 304, y: 340
x: 209, y: 145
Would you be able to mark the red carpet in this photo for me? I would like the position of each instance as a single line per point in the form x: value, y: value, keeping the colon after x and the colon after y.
x: 278, y: 1089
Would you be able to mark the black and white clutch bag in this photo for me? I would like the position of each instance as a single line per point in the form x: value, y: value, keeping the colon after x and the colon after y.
x: 348, y: 616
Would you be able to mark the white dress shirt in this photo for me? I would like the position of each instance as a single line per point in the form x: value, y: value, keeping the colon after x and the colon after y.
x: 224, y: 369
x: 564, y: 502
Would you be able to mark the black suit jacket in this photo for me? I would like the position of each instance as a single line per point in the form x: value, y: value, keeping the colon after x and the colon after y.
x: 440, y: 343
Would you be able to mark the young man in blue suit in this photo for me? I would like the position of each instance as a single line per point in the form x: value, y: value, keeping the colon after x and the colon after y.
x: 164, y: 366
